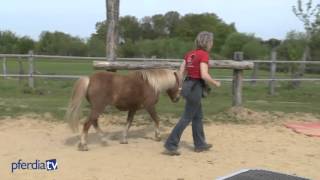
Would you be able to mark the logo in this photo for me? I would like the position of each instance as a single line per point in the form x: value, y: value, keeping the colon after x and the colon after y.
x: 190, y: 60
x: 49, y: 165
x: 52, y: 164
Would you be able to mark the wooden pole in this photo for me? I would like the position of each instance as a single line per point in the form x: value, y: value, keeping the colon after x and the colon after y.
x: 237, y: 82
x: 31, y: 69
x: 20, y: 69
x: 273, y: 69
x: 112, y: 31
x: 255, y: 73
x: 4, y: 67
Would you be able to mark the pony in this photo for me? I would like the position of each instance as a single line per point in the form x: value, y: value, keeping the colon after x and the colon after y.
x: 135, y: 91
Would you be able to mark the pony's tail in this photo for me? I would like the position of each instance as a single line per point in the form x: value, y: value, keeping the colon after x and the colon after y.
x: 78, y: 93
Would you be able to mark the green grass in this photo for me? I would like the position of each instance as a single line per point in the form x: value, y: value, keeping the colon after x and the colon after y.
x: 52, y: 95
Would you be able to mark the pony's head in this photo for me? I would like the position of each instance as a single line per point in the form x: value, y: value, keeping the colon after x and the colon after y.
x: 163, y: 80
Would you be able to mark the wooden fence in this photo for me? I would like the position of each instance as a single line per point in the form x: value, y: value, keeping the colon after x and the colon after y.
x: 237, y: 65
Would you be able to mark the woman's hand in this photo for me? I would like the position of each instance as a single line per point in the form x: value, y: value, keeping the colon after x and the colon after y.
x: 217, y: 83
x: 206, y: 76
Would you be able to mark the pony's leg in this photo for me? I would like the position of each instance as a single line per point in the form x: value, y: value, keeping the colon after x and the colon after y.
x: 84, y: 135
x: 152, y: 111
x: 82, y: 146
x: 100, y: 132
x: 124, y: 139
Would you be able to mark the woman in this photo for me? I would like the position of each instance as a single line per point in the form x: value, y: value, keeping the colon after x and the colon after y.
x: 195, y: 67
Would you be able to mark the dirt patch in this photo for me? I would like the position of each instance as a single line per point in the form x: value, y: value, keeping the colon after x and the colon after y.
x: 245, y: 115
x: 236, y: 146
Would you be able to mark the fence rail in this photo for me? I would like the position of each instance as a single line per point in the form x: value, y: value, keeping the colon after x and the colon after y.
x: 237, y: 78
x: 26, y: 57
x: 136, y: 59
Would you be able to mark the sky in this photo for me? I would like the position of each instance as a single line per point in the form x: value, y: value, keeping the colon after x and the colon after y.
x: 265, y: 18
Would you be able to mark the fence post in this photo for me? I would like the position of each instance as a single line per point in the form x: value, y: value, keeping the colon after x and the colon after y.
x: 254, y: 73
x: 31, y: 69
x: 20, y: 69
x: 237, y: 81
x: 4, y: 67
x: 273, y: 69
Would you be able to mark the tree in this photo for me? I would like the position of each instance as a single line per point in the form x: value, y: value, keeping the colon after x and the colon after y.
x: 163, y: 48
x: 147, y: 28
x: 254, y: 49
x: 314, y: 46
x: 59, y: 43
x: 96, y: 46
x: 235, y: 42
x: 101, y: 29
x: 172, y: 18
x: 129, y: 28
x: 191, y: 24
x: 8, y: 42
x: 25, y: 44
x: 159, y: 26
x: 310, y: 17
x: 292, y: 49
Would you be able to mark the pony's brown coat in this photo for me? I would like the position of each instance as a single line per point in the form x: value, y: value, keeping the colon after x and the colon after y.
x: 138, y: 90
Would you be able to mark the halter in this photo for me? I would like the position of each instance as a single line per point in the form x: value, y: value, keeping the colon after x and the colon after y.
x: 178, y: 81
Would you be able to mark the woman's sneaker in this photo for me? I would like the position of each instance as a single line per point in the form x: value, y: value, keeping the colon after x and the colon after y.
x: 171, y: 152
x: 207, y: 147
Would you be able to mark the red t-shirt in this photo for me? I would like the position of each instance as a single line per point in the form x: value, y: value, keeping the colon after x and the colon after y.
x: 193, y: 60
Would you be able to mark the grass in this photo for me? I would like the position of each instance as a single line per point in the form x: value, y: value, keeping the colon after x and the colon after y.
x: 52, y: 95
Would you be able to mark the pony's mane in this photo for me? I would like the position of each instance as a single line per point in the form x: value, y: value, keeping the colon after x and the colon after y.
x: 158, y: 79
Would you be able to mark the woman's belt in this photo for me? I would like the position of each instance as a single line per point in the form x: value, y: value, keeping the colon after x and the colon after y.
x: 192, y: 79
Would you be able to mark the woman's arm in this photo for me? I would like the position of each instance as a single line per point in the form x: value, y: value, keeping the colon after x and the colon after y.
x: 206, y: 76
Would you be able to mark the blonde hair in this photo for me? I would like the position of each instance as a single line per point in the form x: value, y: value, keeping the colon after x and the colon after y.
x: 204, y: 40
x: 158, y: 79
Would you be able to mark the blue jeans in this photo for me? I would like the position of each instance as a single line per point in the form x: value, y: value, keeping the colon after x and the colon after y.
x: 192, y: 112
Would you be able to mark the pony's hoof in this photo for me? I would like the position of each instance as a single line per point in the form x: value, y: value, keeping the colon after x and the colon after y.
x: 83, y: 147
x: 157, y: 139
x: 124, y: 142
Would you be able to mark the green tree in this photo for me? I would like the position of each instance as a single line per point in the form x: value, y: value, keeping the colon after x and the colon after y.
x: 310, y: 17
x: 159, y: 26
x: 163, y: 48
x: 101, y: 28
x: 235, y: 42
x: 8, y: 42
x: 254, y: 49
x: 292, y: 48
x: 129, y: 28
x: 147, y: 28
x: 59, y: 43
x: 191, y: 24
x: 172, y: 18
x: 25, y: 44
x: 314, y: 46
x: 96, y: 47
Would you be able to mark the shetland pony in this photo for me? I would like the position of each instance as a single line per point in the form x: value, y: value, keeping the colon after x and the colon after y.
x: 132, y: 92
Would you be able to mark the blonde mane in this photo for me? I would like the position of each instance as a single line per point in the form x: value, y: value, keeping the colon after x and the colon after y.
x: 158, y: 79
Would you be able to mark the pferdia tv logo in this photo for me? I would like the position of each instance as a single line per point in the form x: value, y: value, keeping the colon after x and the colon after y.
x: 49, y: 165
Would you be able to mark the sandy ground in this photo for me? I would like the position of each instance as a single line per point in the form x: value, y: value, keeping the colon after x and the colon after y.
x: 266, y: 146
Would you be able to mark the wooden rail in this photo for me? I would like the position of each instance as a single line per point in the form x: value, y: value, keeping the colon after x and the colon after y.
x: 220, y: 64
x: 238, y: 65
